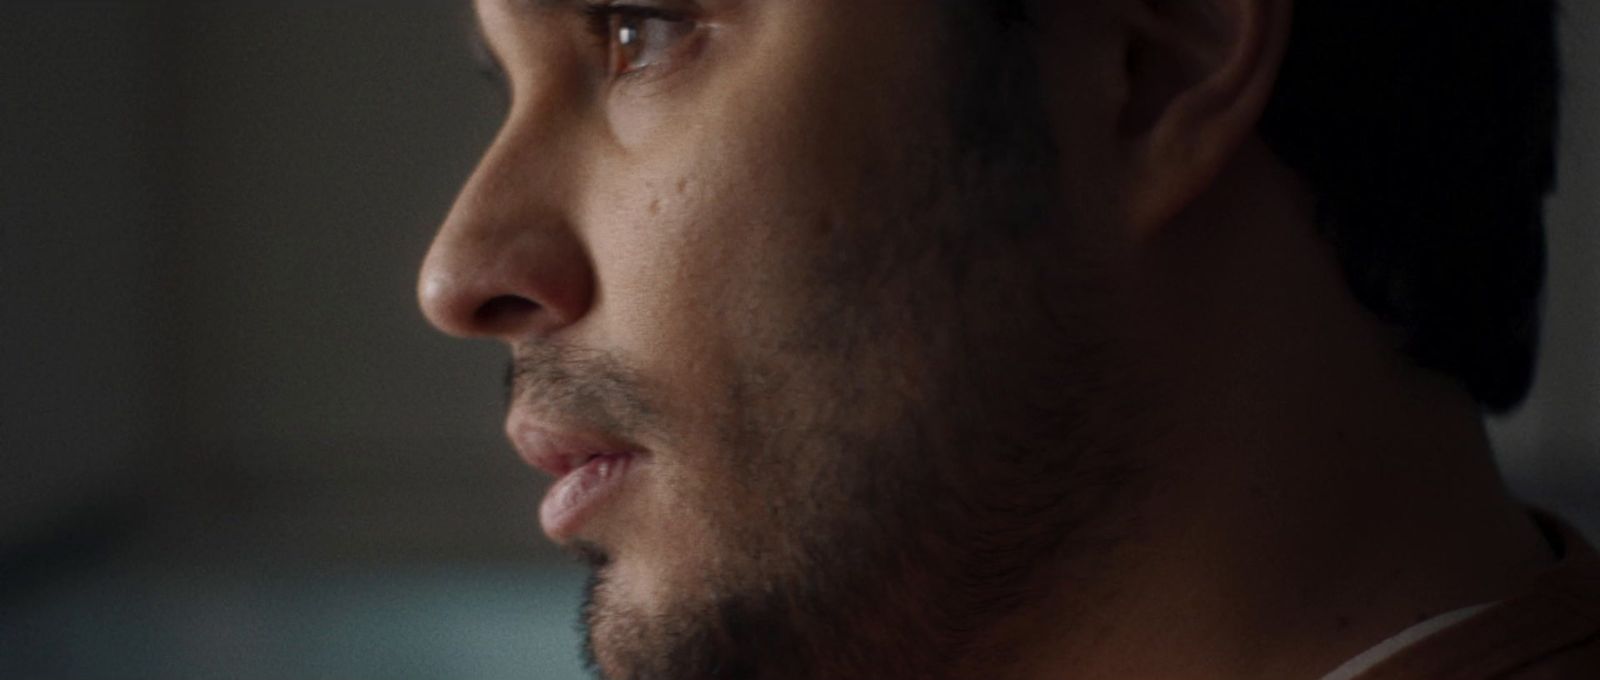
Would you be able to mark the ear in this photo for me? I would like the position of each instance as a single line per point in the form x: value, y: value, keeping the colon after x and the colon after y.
x: 1199, y: 75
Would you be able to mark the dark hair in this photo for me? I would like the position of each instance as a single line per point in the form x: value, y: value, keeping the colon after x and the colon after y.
x: 1427, y: 130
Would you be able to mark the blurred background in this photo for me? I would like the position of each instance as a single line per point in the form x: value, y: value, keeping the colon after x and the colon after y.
x: 229, y: 444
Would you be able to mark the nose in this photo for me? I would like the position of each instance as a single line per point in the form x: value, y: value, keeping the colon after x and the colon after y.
x: 507, y: 262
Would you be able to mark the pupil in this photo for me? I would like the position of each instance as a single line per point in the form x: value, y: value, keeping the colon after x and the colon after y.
x: 628, y: 35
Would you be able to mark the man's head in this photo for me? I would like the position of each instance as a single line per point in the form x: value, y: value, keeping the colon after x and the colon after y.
x: 835, y: 315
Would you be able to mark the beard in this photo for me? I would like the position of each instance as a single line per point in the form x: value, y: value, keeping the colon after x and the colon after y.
x: 906, y: 472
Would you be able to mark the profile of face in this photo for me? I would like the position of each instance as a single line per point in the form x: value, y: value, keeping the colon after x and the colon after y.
x: 790, y: 289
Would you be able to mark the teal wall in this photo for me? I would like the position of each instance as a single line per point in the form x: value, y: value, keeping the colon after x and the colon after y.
x: 243, y: 623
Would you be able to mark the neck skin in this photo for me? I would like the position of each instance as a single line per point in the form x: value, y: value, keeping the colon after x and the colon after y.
x: 1315, y: 493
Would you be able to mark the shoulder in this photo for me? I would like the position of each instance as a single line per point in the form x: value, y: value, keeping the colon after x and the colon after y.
x: 1550, y: 630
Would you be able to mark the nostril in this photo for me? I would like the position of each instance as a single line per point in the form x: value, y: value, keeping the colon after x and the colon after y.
x: 502, y: 311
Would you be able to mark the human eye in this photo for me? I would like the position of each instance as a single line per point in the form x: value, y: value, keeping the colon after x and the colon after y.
x: 638, y: 37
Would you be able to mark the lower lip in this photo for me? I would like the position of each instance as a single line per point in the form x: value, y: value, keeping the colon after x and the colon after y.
x: 574, y: 497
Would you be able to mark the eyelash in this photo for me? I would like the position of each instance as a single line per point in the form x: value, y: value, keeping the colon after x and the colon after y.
x: 602, y: 14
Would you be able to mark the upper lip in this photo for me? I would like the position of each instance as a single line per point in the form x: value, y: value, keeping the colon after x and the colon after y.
x: 559, y: 450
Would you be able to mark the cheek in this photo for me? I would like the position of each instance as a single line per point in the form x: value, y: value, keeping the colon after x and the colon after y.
x: 702, y: 240
x: 695, y: 282
x: 672, y: 266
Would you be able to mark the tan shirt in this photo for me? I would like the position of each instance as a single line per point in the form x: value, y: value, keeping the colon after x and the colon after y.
x: 1548, y: 631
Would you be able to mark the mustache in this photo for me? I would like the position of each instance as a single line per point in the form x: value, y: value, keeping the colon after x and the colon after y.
x: 582, y: 386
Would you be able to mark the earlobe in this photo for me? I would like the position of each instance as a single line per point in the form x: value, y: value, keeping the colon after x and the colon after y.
x: 1200, y: 74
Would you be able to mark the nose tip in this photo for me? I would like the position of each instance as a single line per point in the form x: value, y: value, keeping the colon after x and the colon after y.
x: 501, y: 290
x: 451, y: 302
x: 456, y: 309
x: 509, y: 261
x: 433, y: 297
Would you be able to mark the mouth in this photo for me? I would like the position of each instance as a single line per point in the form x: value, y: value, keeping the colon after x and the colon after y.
x: 589, y: 470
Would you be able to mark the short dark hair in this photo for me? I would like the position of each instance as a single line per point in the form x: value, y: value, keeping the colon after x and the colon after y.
x: 1427, y: 132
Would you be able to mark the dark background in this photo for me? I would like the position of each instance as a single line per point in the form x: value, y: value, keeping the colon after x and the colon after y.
x: 229, y: 444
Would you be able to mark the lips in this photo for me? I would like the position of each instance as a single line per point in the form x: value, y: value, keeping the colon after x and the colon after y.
x: 589, y: 470
x: 575, y: 496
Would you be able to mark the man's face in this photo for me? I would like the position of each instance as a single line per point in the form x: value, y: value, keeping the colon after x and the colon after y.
x: 772, y: 263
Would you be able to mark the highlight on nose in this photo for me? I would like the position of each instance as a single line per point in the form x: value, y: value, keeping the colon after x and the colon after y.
x: 461, y: 310
x: 451, y: 304
x: 508, y: 289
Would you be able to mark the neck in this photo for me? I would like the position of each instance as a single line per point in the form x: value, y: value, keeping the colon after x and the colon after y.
x: 1313, y: 492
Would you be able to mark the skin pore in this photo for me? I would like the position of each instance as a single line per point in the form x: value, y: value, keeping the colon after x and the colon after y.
x: 954, y: 357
